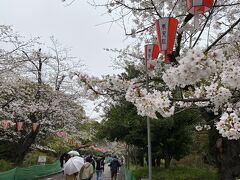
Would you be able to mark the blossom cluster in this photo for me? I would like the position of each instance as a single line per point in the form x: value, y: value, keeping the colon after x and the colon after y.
x: 107, y: 85
x: 231, y: 74
x: 148, y: 104
x: 200, y: 128
x: 229, y: 125
x: 192, y: 68
x: 218, y: 95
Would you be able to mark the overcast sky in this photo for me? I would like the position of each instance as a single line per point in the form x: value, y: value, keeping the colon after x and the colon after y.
x: 74, y: 27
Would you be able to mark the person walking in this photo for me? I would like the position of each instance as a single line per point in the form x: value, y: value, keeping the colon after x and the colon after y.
x: 86, y: 172
x: 114, y: 166
x: 92, y: 162
x: 99, y: 168
x: 71, y: 177
x: 63, y: 159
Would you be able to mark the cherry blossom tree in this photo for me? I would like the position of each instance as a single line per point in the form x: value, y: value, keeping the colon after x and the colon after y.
x: 37, y: 88
x: 202, y: 73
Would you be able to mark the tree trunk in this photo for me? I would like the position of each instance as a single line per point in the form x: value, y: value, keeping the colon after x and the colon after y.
x: 25, y: 146
x: 158, y: 161
x: 167, y: 162
x: 153, y: 161
x: 226, y: 153
x: 140, y: 158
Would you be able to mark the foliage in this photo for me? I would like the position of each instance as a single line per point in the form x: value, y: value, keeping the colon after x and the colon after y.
x: 32, y: 157
x: 122, y: 123
x: 88, y: 130
x: 57, y: 144
x: 171, y: 137
x: 180, y: 173
x: 175, y: 134
x: 5, y: 165
x: 7, y: 150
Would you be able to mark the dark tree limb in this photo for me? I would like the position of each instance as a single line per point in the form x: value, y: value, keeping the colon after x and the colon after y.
x: 220, y: 37
x: 7, y: 103
x: 175, y: 4
x: 211, y: 12
x: 190, y: 100
x: 155, y: 9
x: 225, y: 5
x: 176, y: 53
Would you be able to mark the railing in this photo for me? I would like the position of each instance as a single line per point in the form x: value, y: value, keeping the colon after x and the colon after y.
x: 31, y: 173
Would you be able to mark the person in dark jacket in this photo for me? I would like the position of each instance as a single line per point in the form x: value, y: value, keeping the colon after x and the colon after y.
x: 63, y: 159
x: 114, y: 165
x: 92, y: 161
x: 99, y: 167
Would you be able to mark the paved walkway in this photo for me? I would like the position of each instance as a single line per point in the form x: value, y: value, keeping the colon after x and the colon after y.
x: 106, y: 175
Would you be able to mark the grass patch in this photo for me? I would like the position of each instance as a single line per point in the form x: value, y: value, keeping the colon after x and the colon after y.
x: 176, y: 173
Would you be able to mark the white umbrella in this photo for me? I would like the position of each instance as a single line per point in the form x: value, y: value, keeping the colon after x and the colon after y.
x: 73, y: 165
x: 74, y: 153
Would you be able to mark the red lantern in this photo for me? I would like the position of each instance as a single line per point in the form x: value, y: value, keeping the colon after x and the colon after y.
x: 199, y: 6
x: 5, y: 124
x: 166, y: 33
x: 34, y: 126
x: 151, y: 52
x: 19, y: 125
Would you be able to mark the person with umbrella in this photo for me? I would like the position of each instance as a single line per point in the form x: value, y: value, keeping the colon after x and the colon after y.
x: 73, y: 153
x: 63, y: 159
x: 72, y: 167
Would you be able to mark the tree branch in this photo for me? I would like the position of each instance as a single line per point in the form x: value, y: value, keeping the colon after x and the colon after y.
x: 7, y: 103
x: 211, y: 12
x: 179, y: 36
x: 155, y: 9
x: 224, y: 5
x: 173, y: 8
x: 189, y: 100
x: 133, y: 8
x: 220, y: 37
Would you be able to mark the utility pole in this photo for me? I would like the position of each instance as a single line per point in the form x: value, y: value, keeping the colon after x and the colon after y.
x: 148, y: 131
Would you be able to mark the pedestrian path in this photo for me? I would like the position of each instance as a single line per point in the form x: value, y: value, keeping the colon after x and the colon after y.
x: 106, y: 175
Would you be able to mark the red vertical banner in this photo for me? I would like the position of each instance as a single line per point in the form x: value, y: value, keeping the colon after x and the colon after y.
x: 166, y: 32
x: 199, y: 6
x: 151, y: 52
x: 19, y: 125
x: 35, y: 126
x: 5, y: 124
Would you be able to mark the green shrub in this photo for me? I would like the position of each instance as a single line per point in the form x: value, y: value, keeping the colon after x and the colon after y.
x: 56, y: 144
x: 31, y: 158
x: 5, y: 165
x: 179, y: 173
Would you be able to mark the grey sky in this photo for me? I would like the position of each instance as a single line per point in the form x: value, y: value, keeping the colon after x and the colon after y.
x: 73, y: 26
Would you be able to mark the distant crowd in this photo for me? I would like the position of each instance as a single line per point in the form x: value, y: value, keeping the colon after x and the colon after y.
x: 76, y: 167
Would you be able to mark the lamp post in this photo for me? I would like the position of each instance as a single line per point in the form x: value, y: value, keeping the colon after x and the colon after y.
x: 149, y: 135
x: 151, y: 52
